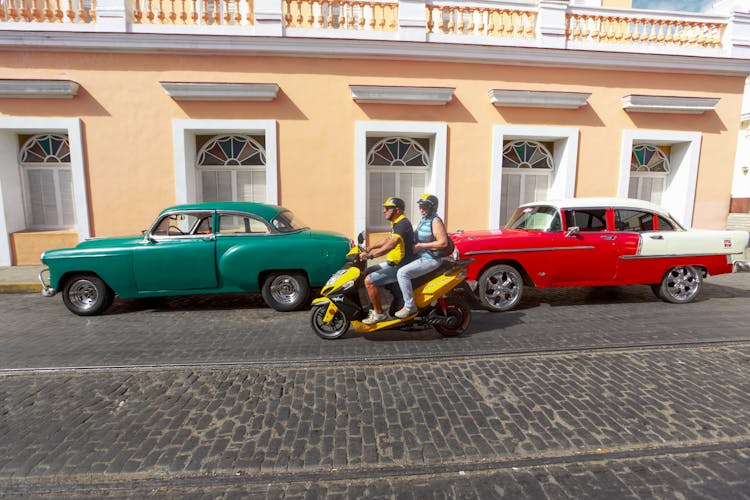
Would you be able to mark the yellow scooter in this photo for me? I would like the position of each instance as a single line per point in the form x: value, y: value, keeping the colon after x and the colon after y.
x: 340, y: 303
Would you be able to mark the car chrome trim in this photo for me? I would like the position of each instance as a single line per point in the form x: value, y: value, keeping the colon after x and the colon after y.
x: 741, y: 266
x: 672, y: 255
x: 546, y: 249
x: 47, y: 291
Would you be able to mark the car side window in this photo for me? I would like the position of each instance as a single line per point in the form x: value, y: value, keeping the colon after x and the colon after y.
x: 633, y: 220
x: 182, y: 224
x: 588, y: 219
x: 241, y: 224
x: 664, y: 224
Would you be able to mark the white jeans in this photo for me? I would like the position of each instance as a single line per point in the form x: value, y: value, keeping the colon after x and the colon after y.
x: 414, y: 269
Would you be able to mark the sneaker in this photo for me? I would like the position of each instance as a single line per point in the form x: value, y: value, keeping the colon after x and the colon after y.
x: 405, y: 312
x: 374, y: 318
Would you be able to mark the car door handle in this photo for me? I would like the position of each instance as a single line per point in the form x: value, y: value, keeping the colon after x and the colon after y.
x: 210, y: 237
x: 608, y: 237
x: 656, y: 237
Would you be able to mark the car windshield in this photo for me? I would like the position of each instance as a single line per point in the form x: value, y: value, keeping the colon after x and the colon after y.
x: 287, y: 222
x: 541, y: 218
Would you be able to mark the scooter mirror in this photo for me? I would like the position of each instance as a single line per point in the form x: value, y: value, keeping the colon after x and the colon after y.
x: 361, y: 238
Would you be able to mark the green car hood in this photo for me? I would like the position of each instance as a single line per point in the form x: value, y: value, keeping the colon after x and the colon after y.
x: 93, y: 245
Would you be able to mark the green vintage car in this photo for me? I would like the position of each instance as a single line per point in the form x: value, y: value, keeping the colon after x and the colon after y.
x: 200, y: 248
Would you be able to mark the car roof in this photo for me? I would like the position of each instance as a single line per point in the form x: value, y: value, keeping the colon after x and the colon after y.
x: 600, y: 202
x: 262, y: 209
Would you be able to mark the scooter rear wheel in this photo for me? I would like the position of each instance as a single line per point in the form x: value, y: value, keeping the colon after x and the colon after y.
x: 331, y: 330
x: 459, y: 317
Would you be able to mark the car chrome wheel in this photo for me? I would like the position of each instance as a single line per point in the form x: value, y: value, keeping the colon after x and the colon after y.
x: 87, y: 295
x: 681, y: 284
x: 286, y: 292
x: 500, y: 288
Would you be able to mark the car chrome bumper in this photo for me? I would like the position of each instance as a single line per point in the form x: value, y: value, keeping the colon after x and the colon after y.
x: 47, y: 291
x: 742, y: 266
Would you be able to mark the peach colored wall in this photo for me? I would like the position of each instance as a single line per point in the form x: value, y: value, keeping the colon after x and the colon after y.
x: 28, y: 246
x: 127, y: 126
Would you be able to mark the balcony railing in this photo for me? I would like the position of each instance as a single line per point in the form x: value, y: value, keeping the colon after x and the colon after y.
x: 547, y: 24
x: 193, y: 12
x: 48, y: 11
x: 458, y: 19
x: 341, y: 15
x: 644, y: 31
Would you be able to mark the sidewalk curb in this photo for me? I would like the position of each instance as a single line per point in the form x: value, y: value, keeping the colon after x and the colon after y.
x: 27, y: 287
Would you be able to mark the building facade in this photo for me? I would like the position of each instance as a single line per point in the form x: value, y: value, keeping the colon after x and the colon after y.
x: 111, y: 110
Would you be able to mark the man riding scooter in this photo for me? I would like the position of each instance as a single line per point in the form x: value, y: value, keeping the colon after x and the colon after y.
x: 398, y: 249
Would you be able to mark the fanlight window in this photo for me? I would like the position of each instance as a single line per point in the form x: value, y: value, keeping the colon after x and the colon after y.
x: 396, y: 166
x: 48, y: 182
x: 527, y: 171
x: 232, y: 168
x: 649, y: 168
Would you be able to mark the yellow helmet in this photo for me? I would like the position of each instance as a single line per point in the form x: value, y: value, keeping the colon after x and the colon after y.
x: 429, y: 201
x: 392, y: 201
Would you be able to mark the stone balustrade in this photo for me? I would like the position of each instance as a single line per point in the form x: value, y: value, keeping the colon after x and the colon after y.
x: 546, y: 24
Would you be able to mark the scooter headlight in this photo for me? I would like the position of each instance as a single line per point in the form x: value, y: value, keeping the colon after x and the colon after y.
x: 335, y: 277
x: 346, y: 286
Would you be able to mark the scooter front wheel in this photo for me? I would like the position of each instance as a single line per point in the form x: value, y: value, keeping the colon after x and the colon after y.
x: 331, y: 330
x: 457, y: 318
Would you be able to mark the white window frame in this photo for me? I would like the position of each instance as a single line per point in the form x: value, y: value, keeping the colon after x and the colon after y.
x: 11, y: 189
x: 184, y: 133
x: 564, y: 157
x: 679, y: 192
x: 437, y: 132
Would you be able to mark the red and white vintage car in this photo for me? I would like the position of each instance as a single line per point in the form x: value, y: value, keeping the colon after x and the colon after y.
x: 596, y: 242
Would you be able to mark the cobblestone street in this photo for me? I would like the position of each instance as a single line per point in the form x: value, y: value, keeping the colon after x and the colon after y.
x: 424, y: 417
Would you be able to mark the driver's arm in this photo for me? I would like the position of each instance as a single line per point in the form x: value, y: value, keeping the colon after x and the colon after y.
x: 384, y: 246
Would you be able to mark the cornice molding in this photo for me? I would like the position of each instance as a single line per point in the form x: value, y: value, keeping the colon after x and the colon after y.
x: 538, y: 99
x: 144, y: 43
x: 38, y: 89
x: 380, y: 94
x: 189, y: 91
x: 668, y: 104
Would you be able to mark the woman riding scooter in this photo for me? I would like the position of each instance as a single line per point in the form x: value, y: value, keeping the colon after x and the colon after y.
x: 430, y: 237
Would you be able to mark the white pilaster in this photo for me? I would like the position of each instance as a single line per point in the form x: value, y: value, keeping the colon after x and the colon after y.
x: 111, y: 15
x: 412, y: 23
x: 268, y: 18
x: 550, y: 25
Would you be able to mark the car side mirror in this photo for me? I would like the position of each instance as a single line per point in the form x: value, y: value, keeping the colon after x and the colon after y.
x: 572, y: 231
x: 147, y: 236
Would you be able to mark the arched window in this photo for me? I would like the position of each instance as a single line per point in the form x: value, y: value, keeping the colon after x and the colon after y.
x: 527, y: 171
x: 232, y: 168
x: 396, y: 166
x: 649, y: 168
x: 48, y: 182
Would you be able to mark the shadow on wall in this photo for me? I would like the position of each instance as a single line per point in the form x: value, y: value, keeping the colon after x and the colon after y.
x: 708, y: 122
x: 281, y: 108
x: 584, y: 116
x: 454, y: 111
x: 82, y: 105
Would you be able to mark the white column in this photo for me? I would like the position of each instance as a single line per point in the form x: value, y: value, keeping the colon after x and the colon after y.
x: 412, y: 23
x: 111, y: 15
x: 737, y: 35
x: 268, y: 18
x: 550, y: 23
